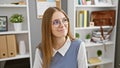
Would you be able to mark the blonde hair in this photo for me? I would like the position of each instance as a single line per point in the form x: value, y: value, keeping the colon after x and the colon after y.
x: 47, y: 37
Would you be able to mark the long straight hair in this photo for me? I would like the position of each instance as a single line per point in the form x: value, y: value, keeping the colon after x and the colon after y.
x: 47, y: 37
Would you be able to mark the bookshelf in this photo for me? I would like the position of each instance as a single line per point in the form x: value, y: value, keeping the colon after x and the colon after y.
x: 92, y: 44
x: 9, y: 5
x: 16, y: 57
x: 108, y: 48
x: 8, y: 9
x: 13, y: 32
x: 104, y: 61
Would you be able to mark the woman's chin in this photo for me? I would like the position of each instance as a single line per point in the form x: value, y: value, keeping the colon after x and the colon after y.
x: 62, y: 35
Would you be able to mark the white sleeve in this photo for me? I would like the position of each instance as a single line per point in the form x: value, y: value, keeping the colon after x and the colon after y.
x: 38, y: 59
x: 82, y: 58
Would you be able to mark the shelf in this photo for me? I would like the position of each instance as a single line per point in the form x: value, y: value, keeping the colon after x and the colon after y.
x: 13, y: 32
x: 16, y: 57
x: 79, y: 13
x: 10, y: 5
x: 95, y: 27
x: 92, y: 44
x: 104, y: 61
x: 88, y: 6
x: 8, y: 8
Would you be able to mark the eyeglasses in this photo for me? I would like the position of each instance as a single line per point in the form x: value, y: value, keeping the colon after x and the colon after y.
x: 58, y: 22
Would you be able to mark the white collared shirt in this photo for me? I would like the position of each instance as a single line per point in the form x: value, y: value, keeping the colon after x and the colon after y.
x: 82, y: 58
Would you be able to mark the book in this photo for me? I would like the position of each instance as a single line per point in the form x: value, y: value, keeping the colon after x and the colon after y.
x: 77, y: 18
x: 85, y: 18
x: 84, y: 2
x: 94, y: 60
x: 82, y: 18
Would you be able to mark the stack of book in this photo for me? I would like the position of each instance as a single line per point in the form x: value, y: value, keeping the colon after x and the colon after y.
x: 94, y: 60
x: 97, y: 37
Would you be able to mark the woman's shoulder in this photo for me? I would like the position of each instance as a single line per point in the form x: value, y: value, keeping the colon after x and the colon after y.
x: 77, y: 40
x: 38, y: 48
x: 39, y: 45
x: 38, y: 51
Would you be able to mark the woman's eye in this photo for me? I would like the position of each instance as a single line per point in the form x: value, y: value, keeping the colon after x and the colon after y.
x: 64, y: 20
x: 55, y: 22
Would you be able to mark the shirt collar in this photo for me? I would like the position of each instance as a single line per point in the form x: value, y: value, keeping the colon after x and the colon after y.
x: 64, y: 48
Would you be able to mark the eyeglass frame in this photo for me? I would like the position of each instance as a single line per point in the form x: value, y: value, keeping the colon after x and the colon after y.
x: 59, y: 22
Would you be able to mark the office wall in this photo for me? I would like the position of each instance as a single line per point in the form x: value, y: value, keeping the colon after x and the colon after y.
x: 35, y: 24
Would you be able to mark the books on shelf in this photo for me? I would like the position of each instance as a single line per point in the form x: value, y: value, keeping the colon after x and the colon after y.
x: 103, y: 61
x: 94, y: 2
x: 99, y: 18
x: 94, y: 60
x: 82, y: 18
x: 97, y: 36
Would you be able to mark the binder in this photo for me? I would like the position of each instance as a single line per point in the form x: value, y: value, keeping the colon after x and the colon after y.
x: 3, y: 47
x: 11, y: 43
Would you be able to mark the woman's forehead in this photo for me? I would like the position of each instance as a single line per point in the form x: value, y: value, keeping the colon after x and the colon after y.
x: 58, y: 15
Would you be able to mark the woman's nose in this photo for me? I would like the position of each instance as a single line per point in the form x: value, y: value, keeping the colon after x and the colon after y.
x: 61, y: 23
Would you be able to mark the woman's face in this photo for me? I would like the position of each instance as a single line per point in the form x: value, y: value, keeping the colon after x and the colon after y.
x: 59, y: 25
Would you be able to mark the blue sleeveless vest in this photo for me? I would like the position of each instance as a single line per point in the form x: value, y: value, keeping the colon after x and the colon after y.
x: 69, y: 60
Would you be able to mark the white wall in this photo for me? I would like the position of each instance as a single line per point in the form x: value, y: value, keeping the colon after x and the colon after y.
x: 35, y: 26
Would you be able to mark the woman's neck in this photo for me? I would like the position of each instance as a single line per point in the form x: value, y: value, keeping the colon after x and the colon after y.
x: 58, y: 43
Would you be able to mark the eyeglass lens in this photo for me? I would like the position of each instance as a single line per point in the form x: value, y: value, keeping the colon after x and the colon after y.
x: 57, y: 22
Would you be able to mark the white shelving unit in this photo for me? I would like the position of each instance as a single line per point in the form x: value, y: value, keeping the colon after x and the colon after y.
x: 95, y: 6
x: 104, y: 61
x: 11, y: 5
x: 95, y: 27
x: 108, y: 48
x: 16, y: 57
x: 92, y: 44
x: 7, y: 9
x: 13, y: 32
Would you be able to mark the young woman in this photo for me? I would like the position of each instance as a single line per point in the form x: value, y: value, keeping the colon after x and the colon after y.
x: 58, y: 48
